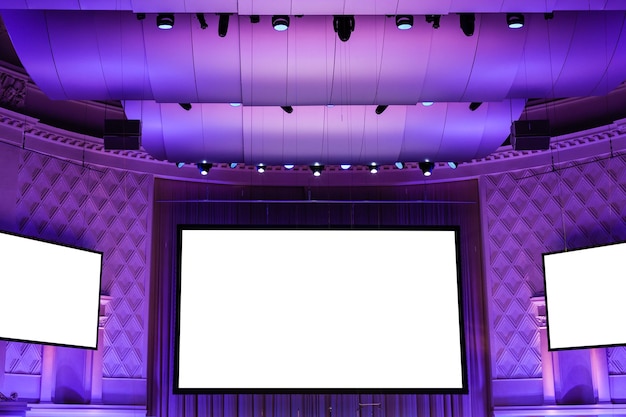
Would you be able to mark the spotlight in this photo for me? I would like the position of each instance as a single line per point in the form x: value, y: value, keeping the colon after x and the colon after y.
x: 204, y: 168
x: 289, y: 166
x: 467, y: 21
x: 235, y: 104
x: 140, y: 16
x: 260, y: 168
x: 435, y: 19
x: 475, y: 105
x: 233, y: 165
x: 399, y: 165
x: 345, y: 166
x: 180, y: 164
x: 427, y: 103
x: 548, y: 16
x: 381, y: 109
x: 255, y: 18
x: 373, y: 168
x: 202, y: 20
x: 165, y: 21
x: 317, y: 169
x: 344, y: 26
x: 222, y: 25
x: 404, y: 22
x: 280, y: 23
x: 427, y: 168
x: 186, y: 106
x: 515, y: 20
x: 453, y: 165
x: 287, y: 109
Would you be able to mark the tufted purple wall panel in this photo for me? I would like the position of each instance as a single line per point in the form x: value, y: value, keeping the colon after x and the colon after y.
x: 528, y: 213
x: 101, y: 209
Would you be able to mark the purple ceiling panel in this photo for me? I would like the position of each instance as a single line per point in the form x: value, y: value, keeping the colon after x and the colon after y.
x: 117, y: 5
x: 151, y: 126
x: 29, y: 34
x: 169, y: 56
x: 508, y: 110
x: 149, y: 6
x: 54, y: 5
x: 423, y: 131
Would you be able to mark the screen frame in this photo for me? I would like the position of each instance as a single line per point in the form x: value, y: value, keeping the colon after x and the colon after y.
x: 97, y: 318
x: 545, y: 286
x: 176, y: 389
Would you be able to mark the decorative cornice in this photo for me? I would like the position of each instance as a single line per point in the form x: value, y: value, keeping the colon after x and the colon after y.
x: 12, y: 90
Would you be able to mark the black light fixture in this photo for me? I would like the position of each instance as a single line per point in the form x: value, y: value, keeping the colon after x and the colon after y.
x: 404, y: 22
x: 255, y: 18
x: 373, y: 168
x: 381, y: 108
x: 475, y: 105
x: 453, y: 165
x: 202, y: 21
x: 165, y: 21
x: 467, y: 21
x: 548, y: 16
x: 344, y: 26
x: 222, y: 25
x: 317, y: 169
x: 180, y: 164
x: 204, y: 167
x: 287, y: 109
x: 186, y: 106
x: 233, y: 165
x: 427, y: 168
x: 515, y: 20
x: 280, y: 23
x: 435, y: 19
x: 399, y: 165
x: 260, y: 168
x: 140, y: 16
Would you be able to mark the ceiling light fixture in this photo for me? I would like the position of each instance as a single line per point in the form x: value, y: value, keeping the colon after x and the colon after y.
x: 399, y: 165
x: 404, y: 22
x: 204, y: 168
x: 235, y: 104
x: 380, y: 109
x: 260, y: 168
x: 255, y: 18
x: 222, y: 24
x: 475, y: 105
x: 202, y: 21
x: 515, y: 20
x: 180, y: 164
x: 165, y: 21
x: 467, y: 22
x: 453, y: 165
x: 345, y: 166
x: 287, y: 109
x: 373, y: 168
x: 289, y: 166
x: 427, y: 168
x: 317, y: 169
x: 343, y: 26
x: 233, y: 165
x: 280, y: 23
x: 186, y: 106
x: 435, y: 19
x: 427, y: 103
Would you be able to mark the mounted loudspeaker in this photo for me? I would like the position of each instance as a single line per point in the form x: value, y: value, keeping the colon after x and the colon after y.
x: 530, y: 135
x: 122, y: 134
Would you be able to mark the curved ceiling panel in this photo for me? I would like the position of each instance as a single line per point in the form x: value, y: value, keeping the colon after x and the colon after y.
x: 570, y: 55
x: 327, y: 135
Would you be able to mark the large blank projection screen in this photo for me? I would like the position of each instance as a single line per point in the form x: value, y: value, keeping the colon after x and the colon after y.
x: 585, y: 297
x: 49, y: 293
x: 311, y: 310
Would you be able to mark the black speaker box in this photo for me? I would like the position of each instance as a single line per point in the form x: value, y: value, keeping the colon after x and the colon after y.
x: 122, y: 134
x: 530, y: 135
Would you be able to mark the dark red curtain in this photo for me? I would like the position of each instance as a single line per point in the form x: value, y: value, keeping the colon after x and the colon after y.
x: 177, y: 202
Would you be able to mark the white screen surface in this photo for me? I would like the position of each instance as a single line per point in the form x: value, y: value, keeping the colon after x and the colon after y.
x: 49, y: 293
x: 319, y: 309
x: 585, y: 297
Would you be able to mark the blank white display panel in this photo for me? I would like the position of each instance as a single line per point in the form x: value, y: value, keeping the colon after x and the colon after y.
x: 319, y: 309
x: 585, y: 297
x: 49, y: 293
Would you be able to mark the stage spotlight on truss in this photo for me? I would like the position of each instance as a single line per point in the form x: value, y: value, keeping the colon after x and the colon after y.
x: 287, y: 109
x: 165, y: 21
x: 515, y: 20
x: 475, y: 105
x: 373, y: 168
x: 186, y: 106
x: 280, y: 23
x: 204, y: 168
x: 222, y: 24
x: 317, y: 169
x: 380, y: 109
x: 260, y: 168
x: 202, y: 21
x: 434, y: 19
x: 344, y: 26
x: 467, y: 22
x: 404, y: 22
x: 427, y: 168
